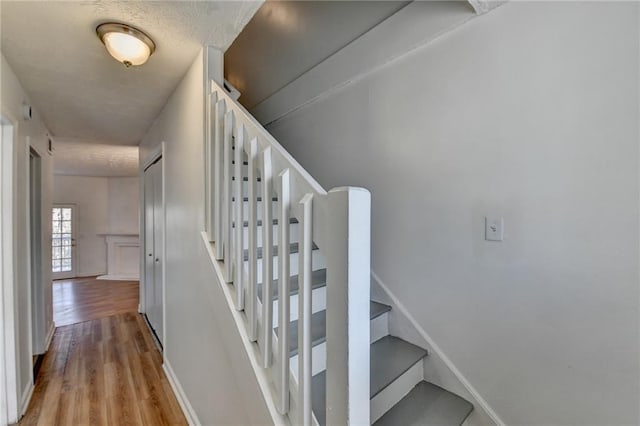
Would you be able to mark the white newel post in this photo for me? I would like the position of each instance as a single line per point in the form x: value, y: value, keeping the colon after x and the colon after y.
x: 348, y: 290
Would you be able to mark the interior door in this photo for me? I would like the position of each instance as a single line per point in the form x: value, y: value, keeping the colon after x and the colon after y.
x: 63, y: 242
x: 158, y: 247
x: 149, y: 258
x: 153, y: 238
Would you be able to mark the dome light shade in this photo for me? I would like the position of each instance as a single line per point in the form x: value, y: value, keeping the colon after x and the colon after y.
x: 126, y: 44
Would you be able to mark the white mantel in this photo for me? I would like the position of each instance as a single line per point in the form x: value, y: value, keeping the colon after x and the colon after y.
x: 123, y: 256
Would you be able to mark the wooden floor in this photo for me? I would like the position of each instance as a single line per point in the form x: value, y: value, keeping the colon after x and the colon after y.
x: 103, y: 372
x: 82, y: 299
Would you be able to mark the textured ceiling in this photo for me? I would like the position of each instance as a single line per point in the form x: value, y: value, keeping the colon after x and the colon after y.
x: 80, y: 91
x: 82, y: 158
x: 285, y: 39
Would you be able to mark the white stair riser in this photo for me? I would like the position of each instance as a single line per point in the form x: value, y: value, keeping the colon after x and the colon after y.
x: 379, y: 327
x: 318, y: 303
x: 245, y: 210
x: 318, y: 262
x: 318, y: 360
x: 397, y: 390
x: 293, y: 235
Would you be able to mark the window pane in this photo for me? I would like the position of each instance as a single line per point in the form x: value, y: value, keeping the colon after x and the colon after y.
x: 66, y: 251
x: 57, y: 227
x: 66, y: 214
x: 56, y: 242
x: 57, y: 215
x: 56, y: 266
x: 66, y: 264
x: 56, y: 253
x: 66, y: 226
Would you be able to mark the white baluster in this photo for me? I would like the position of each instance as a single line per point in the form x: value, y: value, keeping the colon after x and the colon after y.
x: 218, y: 178
x: 304, y: 309
x: 284, y: 301
x: 212, y: 99
x: 267, y: 258
x: 238, y: 280
x: 252, y: 314
x: 229, y: 126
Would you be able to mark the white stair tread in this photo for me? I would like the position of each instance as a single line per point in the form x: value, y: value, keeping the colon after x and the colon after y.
x: 427, y: 404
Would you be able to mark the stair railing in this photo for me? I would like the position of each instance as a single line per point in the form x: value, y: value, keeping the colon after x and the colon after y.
x: 337, y: 222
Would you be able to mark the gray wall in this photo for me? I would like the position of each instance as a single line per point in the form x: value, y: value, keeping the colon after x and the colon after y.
x: 529, y: 113
x: 202, y: 345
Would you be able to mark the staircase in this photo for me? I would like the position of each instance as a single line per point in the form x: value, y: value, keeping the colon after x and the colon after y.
x: 326, y: 330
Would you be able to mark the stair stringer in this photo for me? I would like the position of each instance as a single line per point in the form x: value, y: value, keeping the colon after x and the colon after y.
x: 438, y: 368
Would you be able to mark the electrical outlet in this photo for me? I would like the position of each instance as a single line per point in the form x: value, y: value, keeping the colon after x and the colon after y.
x: 493, y: 228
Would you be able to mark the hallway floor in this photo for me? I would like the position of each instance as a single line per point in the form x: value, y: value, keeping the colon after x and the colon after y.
x: 105, y: 371
x: 82, y: 299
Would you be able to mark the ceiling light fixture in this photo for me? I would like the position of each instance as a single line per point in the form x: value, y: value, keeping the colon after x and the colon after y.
x: 126, y: 44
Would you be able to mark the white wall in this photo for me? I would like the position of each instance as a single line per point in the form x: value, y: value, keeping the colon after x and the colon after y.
x: 202, y: 344
x: 123, y: 205
x: 12, y: 97
x: 90, y: 197
x: 103, y: 205
x: 529, y: 113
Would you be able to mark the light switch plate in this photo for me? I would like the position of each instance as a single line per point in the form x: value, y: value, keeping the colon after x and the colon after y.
x: 493, y: 228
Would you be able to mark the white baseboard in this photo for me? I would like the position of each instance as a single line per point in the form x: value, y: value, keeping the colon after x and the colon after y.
x: 49, y: 338
x: 483, y: 405
x: 26, y: 398
x: 130, y: 277
x: 185, y: 405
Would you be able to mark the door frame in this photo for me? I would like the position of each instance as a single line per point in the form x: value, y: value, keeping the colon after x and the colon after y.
x: 158, y: 153
x: 74, y: 253
x: 34, y: 247
x: 9, y: 358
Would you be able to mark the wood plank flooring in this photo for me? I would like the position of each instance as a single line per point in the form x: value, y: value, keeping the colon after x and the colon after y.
x: 103, y: 372
x: 82, y: 299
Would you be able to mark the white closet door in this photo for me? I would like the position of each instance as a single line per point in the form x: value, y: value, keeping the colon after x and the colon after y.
x: 149, y: 257
x: 153, y: 246
x: 158, y: 246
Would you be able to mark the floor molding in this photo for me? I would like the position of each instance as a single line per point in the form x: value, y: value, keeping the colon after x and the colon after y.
x: 26, y: 398
x: 50, y: 333
x: 187, y: 409
x: 129, y: 277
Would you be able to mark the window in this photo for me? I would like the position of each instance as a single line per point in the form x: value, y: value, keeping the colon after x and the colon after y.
x: 62, y: 241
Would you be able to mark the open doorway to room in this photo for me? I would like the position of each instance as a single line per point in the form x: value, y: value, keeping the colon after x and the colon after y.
x: 95, y: 237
